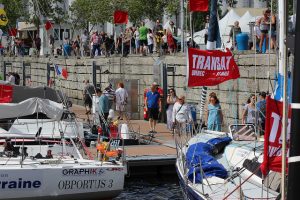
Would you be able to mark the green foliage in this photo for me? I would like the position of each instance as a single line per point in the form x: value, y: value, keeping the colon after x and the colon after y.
x: 14, y: 10
x: 275, y: 5
x: 52, y: 9
x: 96, y: 12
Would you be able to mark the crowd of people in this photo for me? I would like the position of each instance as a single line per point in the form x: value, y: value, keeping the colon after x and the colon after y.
x: 135, y: 40
x: 177, y: 110
x: 264, y: 32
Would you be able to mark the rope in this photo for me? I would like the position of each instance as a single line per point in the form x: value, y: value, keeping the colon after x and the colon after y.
x: 240, y: 185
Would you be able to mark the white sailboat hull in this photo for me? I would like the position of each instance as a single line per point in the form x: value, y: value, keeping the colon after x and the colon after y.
x: 244, y: 186
x: 61, y: 181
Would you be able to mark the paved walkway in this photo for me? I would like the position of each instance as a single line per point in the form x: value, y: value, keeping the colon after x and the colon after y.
x: 162, y: 147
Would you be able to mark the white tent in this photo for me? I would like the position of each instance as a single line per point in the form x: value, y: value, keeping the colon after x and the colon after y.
x: 244, y: 22
x: 224, y: 25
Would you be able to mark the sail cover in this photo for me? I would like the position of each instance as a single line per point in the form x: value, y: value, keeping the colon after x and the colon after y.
x: 30, y: 106
x: 199, y: 157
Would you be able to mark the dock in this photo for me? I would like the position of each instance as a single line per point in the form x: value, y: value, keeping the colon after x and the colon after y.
x: 158, y: 156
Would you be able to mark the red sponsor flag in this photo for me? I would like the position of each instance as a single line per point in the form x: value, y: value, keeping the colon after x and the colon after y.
x: 209, y: 68
x: 120, y: 17
x: 6, y: 93
x: 13, y: 32
x: 198, y: 5
x: 273, y: 140
x: 48, y: 25
x: 64, y: 73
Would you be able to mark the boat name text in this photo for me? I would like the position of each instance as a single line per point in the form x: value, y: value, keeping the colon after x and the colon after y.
x: 20, y: 184
x: 81, y: 172
x: 84, y: 184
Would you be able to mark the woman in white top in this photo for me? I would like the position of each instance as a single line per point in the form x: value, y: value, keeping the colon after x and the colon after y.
x: 250, y: 113
x: 136, y: 36
x: 181, y: 114
x: 171, y: 100
x: 121, y: 100
x: 150, y: 41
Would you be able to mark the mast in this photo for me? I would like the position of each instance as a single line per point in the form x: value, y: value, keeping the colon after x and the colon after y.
x: 182, y: 25
x: 283, y: 74
x: 294, y: 158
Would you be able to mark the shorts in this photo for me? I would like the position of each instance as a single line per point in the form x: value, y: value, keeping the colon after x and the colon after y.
x: 137, y: 44
x: 153, y: 113
x: 273, y: 33
x: 88, y: 101
x: 143, y: 43
x: 165, y: 46
x: 264, y: 31
x: 120, y: 107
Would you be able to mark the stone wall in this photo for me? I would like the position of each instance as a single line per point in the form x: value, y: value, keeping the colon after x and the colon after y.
x: 232, y: 94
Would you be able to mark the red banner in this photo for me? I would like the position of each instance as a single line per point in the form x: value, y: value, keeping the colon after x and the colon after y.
x: 273, y: 140
x: 6, y: 92
x: 120, y: 17
x: 13, y: 32
x: 209, y: 68
x: 198, y: 5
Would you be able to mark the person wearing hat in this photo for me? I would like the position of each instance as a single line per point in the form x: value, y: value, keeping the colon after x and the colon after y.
x: 153, y: 106
x: 111, y: 95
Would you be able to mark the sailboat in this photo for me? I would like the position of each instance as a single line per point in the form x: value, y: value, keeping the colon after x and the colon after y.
x: 42, y: 152
x: 227, y: 165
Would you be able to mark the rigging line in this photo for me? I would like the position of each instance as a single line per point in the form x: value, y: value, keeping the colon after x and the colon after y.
x: 240, y: 185
x: 269, y: 45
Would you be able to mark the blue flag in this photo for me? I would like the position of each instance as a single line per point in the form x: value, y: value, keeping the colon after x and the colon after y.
x: 58, y: 69
x: 278, y: 93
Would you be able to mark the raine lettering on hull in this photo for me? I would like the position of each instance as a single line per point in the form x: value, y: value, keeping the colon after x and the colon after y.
x: 20, y: 184
x: 216, y: 63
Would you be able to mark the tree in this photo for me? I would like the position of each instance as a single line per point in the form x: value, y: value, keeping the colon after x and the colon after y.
x: 83, y: 11
x: 275, y: 6
x: 91, y: 11
x: 14, y: 11
x: 48, y: 9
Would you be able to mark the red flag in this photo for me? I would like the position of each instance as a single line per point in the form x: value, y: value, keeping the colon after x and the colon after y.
x: 273, y: 140
x: 208, y: 68
x: 48, y: 25
x: 13, y: 32
x: 198, y: 5
x: 120, y: 17
x: 64, y: 73
x: 6, y: 93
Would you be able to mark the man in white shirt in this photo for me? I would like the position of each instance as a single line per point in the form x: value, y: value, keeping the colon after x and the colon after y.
x: 121, y: 100
x: 84, y: 42
x: 181, y: 114
x: 11, y: 78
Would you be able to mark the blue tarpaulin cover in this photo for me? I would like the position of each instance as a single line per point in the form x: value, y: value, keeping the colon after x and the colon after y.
x: 202, y: 153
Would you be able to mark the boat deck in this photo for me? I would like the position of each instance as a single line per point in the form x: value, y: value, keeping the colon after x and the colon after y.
x: 161, y: 151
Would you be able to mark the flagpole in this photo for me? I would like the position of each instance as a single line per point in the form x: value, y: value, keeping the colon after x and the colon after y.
x: 182, y: 25
x: 283, y: 65
x: 294, y: 152
x: 191, y: 28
